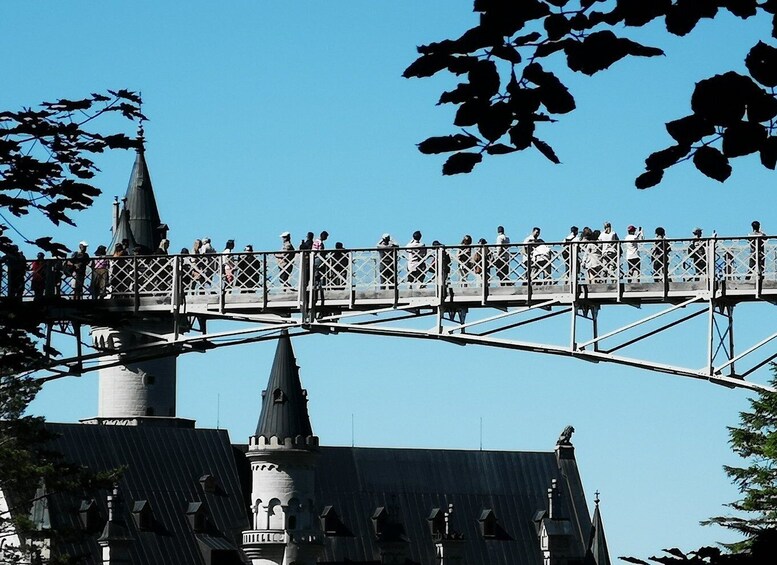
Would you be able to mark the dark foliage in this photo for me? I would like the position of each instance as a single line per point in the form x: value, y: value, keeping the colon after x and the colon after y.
x: 46, y: 157
x: 762, y: 551
x: 755, y: 441
x: 46, y: 166
x: 510, y: 88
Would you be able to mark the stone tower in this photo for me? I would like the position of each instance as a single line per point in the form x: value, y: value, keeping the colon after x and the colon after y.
x: 283, y: 455
x: 129, y: 391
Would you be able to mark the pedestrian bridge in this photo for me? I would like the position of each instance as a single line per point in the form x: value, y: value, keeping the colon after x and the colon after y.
x: 616, y: 297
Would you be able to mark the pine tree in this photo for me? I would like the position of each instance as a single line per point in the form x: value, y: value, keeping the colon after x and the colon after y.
x: 755, y: 440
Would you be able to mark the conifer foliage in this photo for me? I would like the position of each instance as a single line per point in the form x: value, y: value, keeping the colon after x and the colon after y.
x: 510, y: 89
x: 755, y: 441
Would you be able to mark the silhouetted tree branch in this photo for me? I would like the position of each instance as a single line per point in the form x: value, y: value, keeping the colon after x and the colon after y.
x: 46, y: 166
x: 508, y: 90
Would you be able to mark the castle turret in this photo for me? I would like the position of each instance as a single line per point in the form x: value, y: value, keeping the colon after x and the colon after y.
x: 130, y: 392
x: 283, y: 455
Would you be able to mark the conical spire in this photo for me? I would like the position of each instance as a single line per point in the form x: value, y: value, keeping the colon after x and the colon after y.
x: 284, y: 403
x: 597, y: 544
x: 140, y: 203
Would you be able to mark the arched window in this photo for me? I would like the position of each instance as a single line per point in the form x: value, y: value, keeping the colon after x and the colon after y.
x: 274, y: 515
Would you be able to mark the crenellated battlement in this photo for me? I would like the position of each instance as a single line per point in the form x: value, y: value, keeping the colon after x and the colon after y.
x: 260, y: 443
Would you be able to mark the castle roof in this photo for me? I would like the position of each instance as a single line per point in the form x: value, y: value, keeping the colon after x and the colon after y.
x: 164, y: 474
x: 507, y: 488
x: 284, y: 402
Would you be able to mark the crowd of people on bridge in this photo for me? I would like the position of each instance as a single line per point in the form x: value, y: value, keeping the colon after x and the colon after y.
x: 592, y: 251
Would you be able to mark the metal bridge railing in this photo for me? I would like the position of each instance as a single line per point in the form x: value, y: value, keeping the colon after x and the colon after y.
x: 311, y: 276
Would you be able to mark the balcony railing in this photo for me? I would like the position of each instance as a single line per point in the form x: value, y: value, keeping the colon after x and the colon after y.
x: 641, y: 265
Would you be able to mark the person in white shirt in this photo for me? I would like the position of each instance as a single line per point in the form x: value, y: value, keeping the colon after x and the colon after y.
x: 502, y: 256
x: 566, y: 252
x: 415, y: 259
x: 535, y: 246
x: 609, y: 251
x: 632, y: 252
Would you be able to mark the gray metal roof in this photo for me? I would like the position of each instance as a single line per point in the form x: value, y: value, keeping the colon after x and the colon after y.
x: 163, y: 467
x: 412, y: 482
x: 284, y: 402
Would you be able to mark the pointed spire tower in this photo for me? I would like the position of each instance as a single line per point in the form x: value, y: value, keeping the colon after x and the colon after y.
x: 283, y: 455
x: 598, y: 554
x: 142, y: 392
x: 139, y: 221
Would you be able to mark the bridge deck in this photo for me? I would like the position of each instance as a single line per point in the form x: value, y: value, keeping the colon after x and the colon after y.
x: 329, y: 290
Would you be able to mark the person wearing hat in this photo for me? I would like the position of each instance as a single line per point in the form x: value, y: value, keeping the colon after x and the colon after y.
x: 632, y: 252
x: 697, y: 254
x: 249, y: 270
x: 416, y: 255
x: 285, y: 260
x: 77, y: 266
x: 387, y: 254
x: 756, y: 250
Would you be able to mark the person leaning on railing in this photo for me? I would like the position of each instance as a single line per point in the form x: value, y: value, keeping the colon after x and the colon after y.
x: 697, y: 254
x: 757, y: 259
x: 99, y: 285
x: 387, y: 254
x: 660, y: 254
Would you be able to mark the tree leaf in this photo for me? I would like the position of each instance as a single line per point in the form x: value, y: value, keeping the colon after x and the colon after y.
x: 427, y: 65
x: 447, y: 143
x: 484, y: 78
x: 546, y: 150
x: 495, y: 121
x: 649, y: 178
x: 761, y: 61
x: 712, y: 163
x: 522, y: 134
x: 762, y: 107
x: 601, y: 49
x: 683, y: 16
x: 740, y: 8
x: 458, y: 95
x: 769, y: 153
x: 638, y: 12
x: 667, y: 157
x: 470, y: 112
x: 556, y: 26
x: 743, y: 138
x: 507, y: 52
x: 723, y: 99
x: 461, y: 163
x: 633, y: 560
x: 690, y: 129
x: 500, y: 149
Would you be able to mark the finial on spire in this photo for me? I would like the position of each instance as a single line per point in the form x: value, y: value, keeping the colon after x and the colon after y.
x: 596, y: 498
x: 141, y: 119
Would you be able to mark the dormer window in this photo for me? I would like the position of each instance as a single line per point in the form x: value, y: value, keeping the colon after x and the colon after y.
x: 330, y: 521
x: 487, y: 520
x: 195, y: 514
x: 142, y: 515
x: 436, y: 521
x: 209, y: 483
x: 278, y: 396
x: 89, y: 515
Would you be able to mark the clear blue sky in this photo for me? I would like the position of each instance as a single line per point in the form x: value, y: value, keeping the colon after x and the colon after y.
x: 271, y: 116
